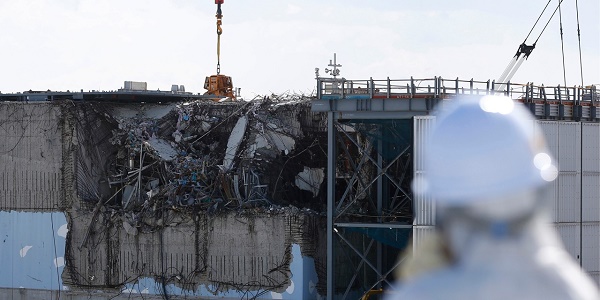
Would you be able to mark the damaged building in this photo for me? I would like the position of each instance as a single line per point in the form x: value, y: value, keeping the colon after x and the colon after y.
x: 195, y: 198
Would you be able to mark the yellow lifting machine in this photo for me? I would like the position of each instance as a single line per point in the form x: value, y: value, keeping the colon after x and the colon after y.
x: 219, y: 85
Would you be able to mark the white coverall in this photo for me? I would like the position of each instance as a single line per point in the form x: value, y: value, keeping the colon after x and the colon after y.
x: 529, y: 265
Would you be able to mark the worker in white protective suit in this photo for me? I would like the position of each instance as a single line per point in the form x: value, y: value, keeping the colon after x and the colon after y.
x: 486, y: 165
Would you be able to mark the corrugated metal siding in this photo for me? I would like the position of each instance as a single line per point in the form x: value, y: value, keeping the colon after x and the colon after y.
x: 590, y: 194
x: 570, y: 235
x: 564, y: 142
x: 550, y: 192
x: 595, y: 277
x: 569, y: 146
x: 550, y: 131
x: 423, y: 207
x: 590, y: 149
x: 421, y: 233
x: 569, y: 197
x: 590, y: 253
x: 422, y: 127
x: 590, y: 166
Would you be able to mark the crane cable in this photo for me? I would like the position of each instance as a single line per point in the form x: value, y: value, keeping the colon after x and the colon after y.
x: 548, y: 21
x: 536, y: 21
x: 219, y: 15
x: 562, y: 45
x: 579, y: 40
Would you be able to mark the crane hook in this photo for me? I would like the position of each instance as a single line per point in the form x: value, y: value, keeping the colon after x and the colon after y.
x: 219, y: 15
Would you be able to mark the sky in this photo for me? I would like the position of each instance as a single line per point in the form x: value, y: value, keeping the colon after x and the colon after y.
x: 274, y: 46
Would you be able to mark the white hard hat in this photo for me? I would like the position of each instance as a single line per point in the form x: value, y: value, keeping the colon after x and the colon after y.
x: 482, y: 148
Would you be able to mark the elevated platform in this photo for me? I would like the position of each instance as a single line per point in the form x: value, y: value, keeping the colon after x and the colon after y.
x: 120, y: 96
x: 406, y: 98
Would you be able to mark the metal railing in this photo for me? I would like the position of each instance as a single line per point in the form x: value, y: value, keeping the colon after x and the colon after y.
x: 438, y: 87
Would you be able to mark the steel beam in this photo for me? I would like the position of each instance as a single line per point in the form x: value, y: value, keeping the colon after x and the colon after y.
x: 331, y: 163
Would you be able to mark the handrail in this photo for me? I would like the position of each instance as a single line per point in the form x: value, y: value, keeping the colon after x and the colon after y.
x: 438, y: 87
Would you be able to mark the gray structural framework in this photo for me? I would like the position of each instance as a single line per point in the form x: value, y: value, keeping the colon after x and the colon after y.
x: 371, y: 139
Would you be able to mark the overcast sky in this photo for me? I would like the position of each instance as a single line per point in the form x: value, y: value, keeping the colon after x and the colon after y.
x: 273, y: 46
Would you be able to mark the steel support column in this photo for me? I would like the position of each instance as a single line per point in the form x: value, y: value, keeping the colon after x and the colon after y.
x: 331, y: 162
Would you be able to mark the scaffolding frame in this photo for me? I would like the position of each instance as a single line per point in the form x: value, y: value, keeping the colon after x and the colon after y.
x: 367, y: 190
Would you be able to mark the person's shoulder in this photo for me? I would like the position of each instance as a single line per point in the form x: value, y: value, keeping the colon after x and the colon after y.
x: 426, y: 286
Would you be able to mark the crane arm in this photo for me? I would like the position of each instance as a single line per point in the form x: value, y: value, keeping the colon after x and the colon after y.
x: 522, y: 53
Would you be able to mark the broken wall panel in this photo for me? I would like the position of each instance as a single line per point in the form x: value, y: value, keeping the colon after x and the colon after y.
x: 229, y: 251
x: 30, y: 156
x: 173, y: 251
x: 251, y: 250
x: 32, y: 250
x: 87, y: 251
x: 93, y: 152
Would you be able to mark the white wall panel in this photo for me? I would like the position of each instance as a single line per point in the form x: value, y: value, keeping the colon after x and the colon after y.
x: 550, y: 196
x: 590, y: 251
x: 569, y: 197
x: 590, y: 149
x: 590, y: 195
x: 550, y: 132
x: 595, y: 277
x: 569, y: 146
x: 422, y: 127
x: 421, y: 233
x: 570, y: 235
x: 423, y: 206
x: 590, y: 166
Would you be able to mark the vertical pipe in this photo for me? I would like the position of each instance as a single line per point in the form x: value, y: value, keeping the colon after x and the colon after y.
x: 330, y: 200
x: 140, y: 174
x: 559, y: 95
x: 380, y: 195
x: 456, y: 86
x: 319, y: 87
x: 389, y: 88
x: 580, y: 167
x: 471, y: 87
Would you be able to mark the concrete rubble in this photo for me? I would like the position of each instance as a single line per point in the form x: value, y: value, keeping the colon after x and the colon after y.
x: 220, y: 156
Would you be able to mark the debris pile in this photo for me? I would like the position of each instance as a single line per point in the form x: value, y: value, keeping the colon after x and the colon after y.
x: 217, y: 156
